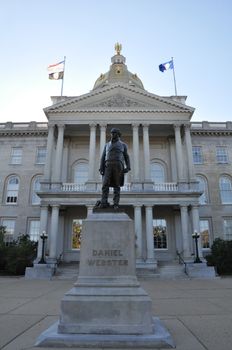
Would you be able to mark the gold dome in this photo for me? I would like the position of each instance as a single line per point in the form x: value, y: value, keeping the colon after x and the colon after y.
x: 118, y: 73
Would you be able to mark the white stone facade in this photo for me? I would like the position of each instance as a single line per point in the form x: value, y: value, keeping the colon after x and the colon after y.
x: 161, y: 194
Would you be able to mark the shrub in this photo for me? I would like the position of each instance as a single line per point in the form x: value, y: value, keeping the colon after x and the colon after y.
x: 2, y: 248
x: 18, y: 255
x: 221, y: 256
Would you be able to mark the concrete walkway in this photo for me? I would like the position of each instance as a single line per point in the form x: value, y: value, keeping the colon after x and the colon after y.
x: 198, y: 313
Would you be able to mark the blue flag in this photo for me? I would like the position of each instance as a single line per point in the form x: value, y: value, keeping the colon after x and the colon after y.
x: 166, y: 66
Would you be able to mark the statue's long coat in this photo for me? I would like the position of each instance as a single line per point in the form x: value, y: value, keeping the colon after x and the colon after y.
x: 115, y: 151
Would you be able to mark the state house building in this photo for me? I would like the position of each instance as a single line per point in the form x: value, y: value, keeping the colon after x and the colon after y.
x: 180, y: 182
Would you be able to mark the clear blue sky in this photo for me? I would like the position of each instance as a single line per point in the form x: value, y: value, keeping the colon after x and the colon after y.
x: 34, y: 34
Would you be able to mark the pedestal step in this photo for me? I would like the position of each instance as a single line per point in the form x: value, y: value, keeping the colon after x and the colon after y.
x: 67, y: 271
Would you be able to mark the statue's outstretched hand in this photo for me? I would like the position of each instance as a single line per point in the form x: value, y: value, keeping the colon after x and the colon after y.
x: 101, y: 171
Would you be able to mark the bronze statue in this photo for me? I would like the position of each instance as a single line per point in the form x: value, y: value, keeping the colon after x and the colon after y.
x: 115, y: 162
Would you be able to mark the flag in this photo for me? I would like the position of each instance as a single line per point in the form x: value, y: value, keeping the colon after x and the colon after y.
x: 56, y: 71
x: 56, y: 76
x: 166, y: 66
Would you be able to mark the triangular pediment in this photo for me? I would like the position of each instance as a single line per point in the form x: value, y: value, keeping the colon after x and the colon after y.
x: 118, y: 97
x: 118, y: 101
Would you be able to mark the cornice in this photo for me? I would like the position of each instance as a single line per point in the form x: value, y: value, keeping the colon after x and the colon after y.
x: 212, y: 132
x: 116, y: 110
x: 23, y: 132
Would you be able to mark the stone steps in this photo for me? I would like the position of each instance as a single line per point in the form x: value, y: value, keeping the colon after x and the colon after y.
x: 171, y: 270
x: 69, y: 271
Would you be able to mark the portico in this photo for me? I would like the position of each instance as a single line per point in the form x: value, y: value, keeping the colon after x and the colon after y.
x: 160, y: 189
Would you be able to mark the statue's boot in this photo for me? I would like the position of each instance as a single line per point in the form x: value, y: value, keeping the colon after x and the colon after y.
x: 116, y: 197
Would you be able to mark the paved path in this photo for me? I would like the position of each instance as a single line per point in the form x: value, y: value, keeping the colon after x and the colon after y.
x: 198, y: 313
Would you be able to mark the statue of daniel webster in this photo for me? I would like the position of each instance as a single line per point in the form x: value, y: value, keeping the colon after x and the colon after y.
x: 112, y: 168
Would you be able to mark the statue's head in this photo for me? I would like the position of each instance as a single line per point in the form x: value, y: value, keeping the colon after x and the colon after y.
x: 115, y: 133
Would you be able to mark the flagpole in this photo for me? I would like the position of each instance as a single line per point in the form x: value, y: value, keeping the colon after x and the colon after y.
x: 62, y: 84
x: 174, y: 77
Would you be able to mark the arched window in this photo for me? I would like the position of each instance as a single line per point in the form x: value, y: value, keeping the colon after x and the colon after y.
x: 203, y: 187
x: 81, y: 171
x: 12, y: 190
x: 225, y: 186
x: 157, y: 172
x: 35, y: 200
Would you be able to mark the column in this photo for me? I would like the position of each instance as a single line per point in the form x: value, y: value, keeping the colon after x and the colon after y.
x: 138, y: 231
x: 64, y: 174
x: 149, y: 234
x: 172, y: 159
x: 92, y: 152
x: 48, y: 163
x: 179, y: 153
x: 102, y: 138
x: 188, y: 141
x: 54, y: 232
x: 146, y: 149
x: 196, y: 226
x: 59, y: 154
x: 43, y: 227
x: 185, y: 231
x: 135, y: 128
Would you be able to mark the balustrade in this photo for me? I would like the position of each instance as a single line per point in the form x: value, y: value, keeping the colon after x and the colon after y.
x: 166, y: 186
x: 73, y: 187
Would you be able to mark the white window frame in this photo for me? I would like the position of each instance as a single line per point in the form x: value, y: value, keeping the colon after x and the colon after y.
x: 80, y: 180
x: 227, y: 228
x: 35, y: 186
x: 221, y: 155
x: 202, y: 229
x: 34, y: 232
x: 16, y: 155
x: 160, y: 222
x: 197, y: 154
x: 79, y: 221
x: 203, y: 186
x: 41, y: 159
x: 12, y: 190
x: 10, y: 229
x: 226, y: 192
x: 154, y: 172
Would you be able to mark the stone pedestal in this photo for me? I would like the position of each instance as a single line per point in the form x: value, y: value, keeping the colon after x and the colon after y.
x: 107, y: 307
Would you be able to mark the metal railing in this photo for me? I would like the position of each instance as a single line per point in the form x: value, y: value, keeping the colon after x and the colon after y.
x: 182, y: 262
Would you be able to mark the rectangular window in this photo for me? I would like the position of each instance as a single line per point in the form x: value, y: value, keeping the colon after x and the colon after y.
x: 34, y: 230
x: 41, y: 155
x: 16, y: 155
x: 197, y: 155
x: 10, y: 229
x: 160, y: 234
x: 228, y: 229
x: 205, y: 234
x: 221, y: 155
x: 76, y: 233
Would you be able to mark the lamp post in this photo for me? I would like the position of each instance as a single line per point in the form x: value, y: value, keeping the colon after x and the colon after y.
x: 196, y: 236
x: 43, y: 236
